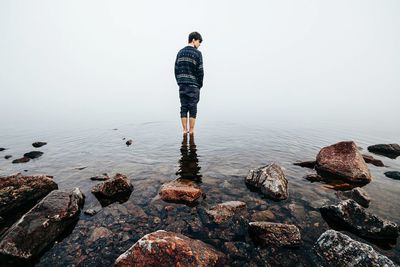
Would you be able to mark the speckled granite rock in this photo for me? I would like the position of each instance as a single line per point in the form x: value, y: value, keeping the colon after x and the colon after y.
x: 275, y: 234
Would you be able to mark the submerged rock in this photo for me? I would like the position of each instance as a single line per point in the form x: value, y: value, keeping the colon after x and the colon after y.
x: 336, y: 249
x: 180, y: 191
x: 162, y: 248
x: 222, y: 212
x: 306, y: 164
x: 21, y: 160
x: 102, y: 177
x: 129, y: 142
x: 352, y: 216
x: 264, y: 215
x: 373, y: 161
x: 270, y: 180
x: 343, y: 160
x: 17, y: 191
x: 119, y: 188
x: 7, y: 156
x: 33, y: 154
x: 313, y: 177
x: 357, y: 194
x: 275, y: 234
x: 39, y: 144
x: 388, y: 150
x: 2, y: 149
x: 393, y: 174
x: 38, y: 228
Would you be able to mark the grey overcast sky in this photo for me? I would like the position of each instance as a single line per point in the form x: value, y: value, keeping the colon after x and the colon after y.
x: 282, y: 60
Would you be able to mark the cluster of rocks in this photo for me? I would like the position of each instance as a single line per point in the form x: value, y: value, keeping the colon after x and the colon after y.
x: 27, y: 156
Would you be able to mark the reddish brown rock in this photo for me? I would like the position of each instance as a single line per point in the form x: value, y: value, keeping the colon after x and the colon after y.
x: 222, y: 212
x: 373, y: 161
x: 264, y: 215
x: 38, y: 228
x: 275, y: 234
x: 21, y: 160
x: 162, y: 248
x: 119, y: 188
x: 343, y: 160
x: 17, y: 191
x: 180, y: 190
x: 99, y: 232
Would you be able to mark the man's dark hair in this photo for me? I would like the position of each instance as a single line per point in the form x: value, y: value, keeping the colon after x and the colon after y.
x: 196, y: 36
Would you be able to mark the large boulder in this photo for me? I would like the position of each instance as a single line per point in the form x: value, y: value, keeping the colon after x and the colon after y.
x: 46, y: 221
x: 343, y: 160
x: 336, y: 249
x: 162, y: 248
x: 180, y: 191
x: 17, y: 191
x: 270, y: 180
x: 354, y: 217
x: 119, y: 188
x: 275, y: 234
x: 388, y: 150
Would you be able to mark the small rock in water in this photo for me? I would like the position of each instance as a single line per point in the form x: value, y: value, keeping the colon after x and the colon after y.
x: 129, y: 142
x: 275, y: 234
x: 373, y: 161
x: 224, y: 211
x: 2, y: 149
x: 92, y: 211
x: 118, y: 189
x: 313, y: 177
x: 393, y: 174
x: 270, y: 180
x: 7, y: 156
x: 33, y: 154
x: 21, y: 160
x: 306, y: 164
x: 388, y: 150
x: 180, y: 191
x: 336, y: 249
x: 354, y: 217
x: 162, y: 248
x: 102, y: 177
x: 39, y: 144
x: 265, y: 215
x: 357, y: 194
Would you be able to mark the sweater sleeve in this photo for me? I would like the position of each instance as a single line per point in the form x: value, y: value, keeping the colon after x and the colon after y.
x: 200, y: 71
x: 176, y: 69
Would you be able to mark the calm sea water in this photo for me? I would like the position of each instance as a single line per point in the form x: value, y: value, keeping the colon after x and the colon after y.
x: 220, y: 153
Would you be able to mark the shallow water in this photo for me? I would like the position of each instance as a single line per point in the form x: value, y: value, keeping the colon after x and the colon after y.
x: 220, y: 155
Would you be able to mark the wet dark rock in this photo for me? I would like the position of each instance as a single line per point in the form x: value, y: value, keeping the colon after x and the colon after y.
x: 313, y: 177
x: 393, y: 174
x: 343, y: 160
x: 33, y: 154
x: 39, y: 144
x: 7, y: 156
x: 388, y: 150
x: 119, y: 188
x: 38, y: 228
x: 21, y: 160
x: 373, y: 161
x: 102, y: 177
x: 80, y: 168
x: 2, y: 149
x: 355, y: 218
x: 336, y: 249
x: 237, y: 250
x: 275, y: 234
x: 306, y: 164
x: 357, y: 194
x: 270, y: 180
x: 129, y: 142
x: 176, y: 250
x: 180, y: 191
x: 17, y: 191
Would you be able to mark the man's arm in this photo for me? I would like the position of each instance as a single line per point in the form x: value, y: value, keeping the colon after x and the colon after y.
x: 200, y: 71
x: 176, y: 68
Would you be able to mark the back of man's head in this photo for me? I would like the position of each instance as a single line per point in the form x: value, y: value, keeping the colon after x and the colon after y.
x: 196, y: 36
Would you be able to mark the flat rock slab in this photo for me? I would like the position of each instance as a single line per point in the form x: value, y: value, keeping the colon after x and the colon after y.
x: 180, y: 191
x: 336, y: 249
x: 354, y: 217
x: 222, y: 212
x: 393, y: 174
x: 162, y: 248
x: 388, y: 150
x: 270, y: 180
x: 119, y: 188
x: 17, y: 191
x: 275, y: 234
x: 38, y: 228
x: 357, y: 194
x: 343, y: 160
x: 371, y: 160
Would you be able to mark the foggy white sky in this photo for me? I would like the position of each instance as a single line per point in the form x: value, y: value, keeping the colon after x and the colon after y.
x: 113, y: 60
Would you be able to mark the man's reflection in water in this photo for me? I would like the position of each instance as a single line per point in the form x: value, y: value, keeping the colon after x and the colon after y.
x: 189, y: 163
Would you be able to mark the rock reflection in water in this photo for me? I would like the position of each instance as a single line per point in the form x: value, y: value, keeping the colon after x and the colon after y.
x: 189, y: 163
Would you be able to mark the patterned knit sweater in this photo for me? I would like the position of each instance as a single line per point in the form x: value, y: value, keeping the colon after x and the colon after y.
x: 189, y: 67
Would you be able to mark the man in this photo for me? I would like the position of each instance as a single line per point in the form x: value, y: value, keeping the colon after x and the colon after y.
x: 189, y: 76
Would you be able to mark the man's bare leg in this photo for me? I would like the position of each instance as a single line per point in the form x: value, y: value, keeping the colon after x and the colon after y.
x: 192, y: 122
x: 184, y: 124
